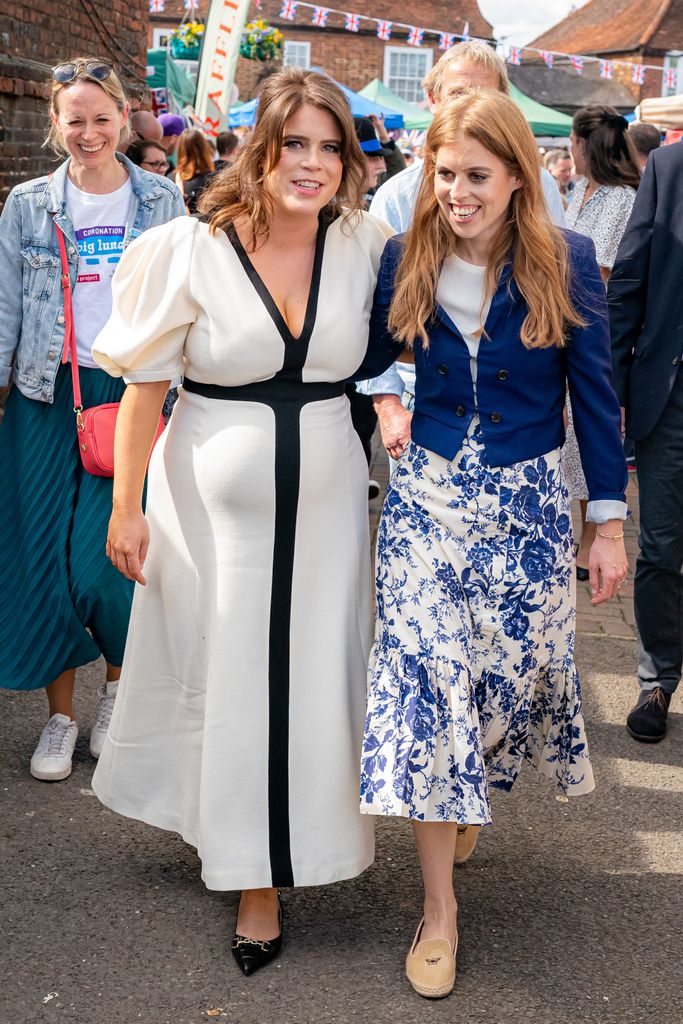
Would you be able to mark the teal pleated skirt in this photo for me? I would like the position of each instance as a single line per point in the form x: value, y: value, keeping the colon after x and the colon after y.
x: 62, y: 603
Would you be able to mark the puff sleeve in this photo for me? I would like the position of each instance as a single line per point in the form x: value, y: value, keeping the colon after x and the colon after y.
x: 152, y: 308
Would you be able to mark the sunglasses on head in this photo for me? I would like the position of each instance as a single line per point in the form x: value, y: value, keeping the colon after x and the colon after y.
x: 96, y: 69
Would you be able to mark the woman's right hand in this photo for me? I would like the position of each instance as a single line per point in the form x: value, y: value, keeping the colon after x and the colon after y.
x: 127, y: 543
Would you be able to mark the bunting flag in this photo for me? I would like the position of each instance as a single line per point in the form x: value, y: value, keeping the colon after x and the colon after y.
x: 288, y: 10
x: 320, y: 16
x: 415, y: 36
x: 548, y: 57
x: 671, y: 78
x: 190, y: 5
x: 156, y: 6
x: 606, y: 69
x: 384, y: 30
x: 515, y: 55
x: 465, y: 32
x: 577, y: 64
x: 159, y: 96
x: 638, y: 74
x: 446, y: 40
x: 352, y: 22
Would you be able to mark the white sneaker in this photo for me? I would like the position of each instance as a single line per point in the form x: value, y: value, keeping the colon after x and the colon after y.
x: 51, y: 760
x: 107, y: 695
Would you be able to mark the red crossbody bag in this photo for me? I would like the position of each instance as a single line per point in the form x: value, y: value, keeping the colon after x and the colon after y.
x: 95, y: 426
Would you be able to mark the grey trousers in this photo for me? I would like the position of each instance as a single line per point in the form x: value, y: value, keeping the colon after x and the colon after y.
x: 658, y: 593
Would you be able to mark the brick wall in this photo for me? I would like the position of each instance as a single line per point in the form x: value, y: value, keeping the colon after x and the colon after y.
x: 36, y: 34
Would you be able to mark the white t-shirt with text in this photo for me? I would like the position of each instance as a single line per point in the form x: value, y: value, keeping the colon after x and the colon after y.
x: 100, y: 225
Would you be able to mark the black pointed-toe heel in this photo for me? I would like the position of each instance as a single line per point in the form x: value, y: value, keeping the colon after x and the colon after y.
x: 582, y: 575
x: 252, y: 954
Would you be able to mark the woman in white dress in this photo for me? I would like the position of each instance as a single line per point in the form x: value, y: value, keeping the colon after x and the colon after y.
x: 239, y: 717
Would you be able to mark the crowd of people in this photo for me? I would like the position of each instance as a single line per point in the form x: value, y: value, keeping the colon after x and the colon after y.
x: 251, y: 700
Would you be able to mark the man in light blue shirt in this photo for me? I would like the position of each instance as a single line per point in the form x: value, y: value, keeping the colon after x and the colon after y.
x: 468, y: 65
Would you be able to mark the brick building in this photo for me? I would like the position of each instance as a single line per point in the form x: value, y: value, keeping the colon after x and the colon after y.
x: 353, y: 58
x: 635, y: 31
x: 33, y: 37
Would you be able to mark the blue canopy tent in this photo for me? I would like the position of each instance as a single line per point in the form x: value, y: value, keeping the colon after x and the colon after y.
x: 360, y: 107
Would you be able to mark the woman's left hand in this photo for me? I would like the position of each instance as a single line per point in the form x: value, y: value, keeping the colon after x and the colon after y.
x: 607, y: 562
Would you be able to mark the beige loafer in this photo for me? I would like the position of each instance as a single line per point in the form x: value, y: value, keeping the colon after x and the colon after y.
x: 465, y: 842
x: 430, y: 965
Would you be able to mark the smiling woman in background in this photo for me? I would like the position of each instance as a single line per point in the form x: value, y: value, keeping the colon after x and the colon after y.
x: 61, y: 603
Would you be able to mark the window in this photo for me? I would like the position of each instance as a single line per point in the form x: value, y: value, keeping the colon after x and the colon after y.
x: 404, y: 69
x: 673, y: 62
x: 161, y: 38
x: 296, y: 55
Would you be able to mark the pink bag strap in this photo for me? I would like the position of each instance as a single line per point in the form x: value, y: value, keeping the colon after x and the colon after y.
x: 69, y: 329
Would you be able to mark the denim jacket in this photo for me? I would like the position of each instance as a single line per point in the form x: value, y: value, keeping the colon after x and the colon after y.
x: 31, y: 297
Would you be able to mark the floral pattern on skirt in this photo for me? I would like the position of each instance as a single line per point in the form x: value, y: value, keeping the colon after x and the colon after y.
x: 472, y: 670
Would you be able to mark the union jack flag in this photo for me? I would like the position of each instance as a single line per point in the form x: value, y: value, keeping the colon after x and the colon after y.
x: 288, y: 10
x: 352, y: 22
x: 159, y: 99
x: 606, y: 69
x: 384, y: 29
x: 548, y: 57
x: 638, y: 74
x: 515, y: 55
x: 465, y: 32
x: 415, y: 37
x: 446, y: 40
x: 577, y: 64
x: 320, y: 15
x: 156, y: 6
x: 190, y: 5
x: 671, y: 78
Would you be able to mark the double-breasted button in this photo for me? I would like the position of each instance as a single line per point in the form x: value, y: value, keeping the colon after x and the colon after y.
x: 460, y: 410
x: 496, y: 417
x: 503, y: 374
x: 676, y: 360
x: 442, y: 369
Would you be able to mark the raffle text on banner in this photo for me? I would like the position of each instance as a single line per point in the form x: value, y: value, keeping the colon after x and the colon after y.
x: 224, y: 26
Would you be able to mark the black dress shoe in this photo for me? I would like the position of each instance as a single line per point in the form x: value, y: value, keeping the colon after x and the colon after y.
x: 583, y: 575
x: 647, y: 720
x: 252, y: 954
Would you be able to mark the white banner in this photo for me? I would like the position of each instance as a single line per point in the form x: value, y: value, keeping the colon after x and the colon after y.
x: 220, y: 49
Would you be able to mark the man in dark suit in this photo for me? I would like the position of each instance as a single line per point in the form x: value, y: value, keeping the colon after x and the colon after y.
x: 645, y: 297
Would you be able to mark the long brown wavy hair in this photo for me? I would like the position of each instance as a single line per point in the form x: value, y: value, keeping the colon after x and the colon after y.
x: 241, y: 190
x: 536, y: 248
x: 194, y: 154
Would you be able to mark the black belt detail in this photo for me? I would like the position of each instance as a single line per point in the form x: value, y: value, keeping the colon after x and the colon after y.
x: 269, y: 392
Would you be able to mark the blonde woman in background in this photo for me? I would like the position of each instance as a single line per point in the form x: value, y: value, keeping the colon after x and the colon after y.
x: 61, y: 603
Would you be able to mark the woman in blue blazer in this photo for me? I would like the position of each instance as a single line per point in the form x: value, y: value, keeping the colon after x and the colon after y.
x: 472, y: 670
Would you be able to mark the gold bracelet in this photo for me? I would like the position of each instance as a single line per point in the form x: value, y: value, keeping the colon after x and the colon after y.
x: 607, y: 536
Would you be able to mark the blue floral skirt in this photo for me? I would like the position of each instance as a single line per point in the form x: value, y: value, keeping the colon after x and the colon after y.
x: 472, y: 670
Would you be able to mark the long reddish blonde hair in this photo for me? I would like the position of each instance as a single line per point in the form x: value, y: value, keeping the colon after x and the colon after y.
x: 536, y: 248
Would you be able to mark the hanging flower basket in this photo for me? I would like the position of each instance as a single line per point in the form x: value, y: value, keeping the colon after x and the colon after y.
x: 260, y: 41
x: 186, y: 41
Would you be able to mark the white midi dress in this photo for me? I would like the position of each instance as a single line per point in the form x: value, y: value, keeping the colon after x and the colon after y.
x: 239, y: 716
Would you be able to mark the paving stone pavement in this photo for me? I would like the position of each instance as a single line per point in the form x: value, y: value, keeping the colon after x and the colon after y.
x: 568, y: 913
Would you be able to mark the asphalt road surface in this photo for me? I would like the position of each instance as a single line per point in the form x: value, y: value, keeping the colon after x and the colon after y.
x: 568, y: 913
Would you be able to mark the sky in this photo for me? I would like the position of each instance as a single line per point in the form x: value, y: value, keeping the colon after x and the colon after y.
x: 520, y: 21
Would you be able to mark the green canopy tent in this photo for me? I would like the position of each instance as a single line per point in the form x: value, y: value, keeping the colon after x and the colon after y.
x: 543, y: 120
x: 413, y: 116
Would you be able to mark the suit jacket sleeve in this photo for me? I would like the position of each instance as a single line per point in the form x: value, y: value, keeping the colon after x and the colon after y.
x: 382, y: 350
x: 597, y: 420
x: 627, y: 290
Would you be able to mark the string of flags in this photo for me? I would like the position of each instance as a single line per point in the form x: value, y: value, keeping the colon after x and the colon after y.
x: 416, y: 34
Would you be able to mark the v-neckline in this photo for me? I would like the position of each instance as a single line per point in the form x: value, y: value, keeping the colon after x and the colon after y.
x: 267, y: 299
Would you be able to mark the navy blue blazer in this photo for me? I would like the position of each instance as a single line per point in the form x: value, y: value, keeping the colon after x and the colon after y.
x: 520, y: 391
